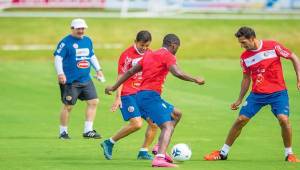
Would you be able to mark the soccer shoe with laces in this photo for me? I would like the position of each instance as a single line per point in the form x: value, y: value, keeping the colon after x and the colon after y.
x: 167, y: 157
x: 214, y: 156
x: 162, y: 162
x: 91, y: 134
x: 292, y: 158
x: 107, y: 147
x: 64, y: 135
x: 144, y: 155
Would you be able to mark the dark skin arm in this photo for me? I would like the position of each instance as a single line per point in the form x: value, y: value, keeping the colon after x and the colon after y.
x: 174, y: 69
x: 137, y: 68
x: 177, y: 72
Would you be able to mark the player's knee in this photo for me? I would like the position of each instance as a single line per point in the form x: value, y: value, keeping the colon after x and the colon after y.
x: 93, y: 102
x: 136, y: 124
x: 284, y: 121
x: 177, y: 114
x: 153, y: 126
x: 68, y: 108
x: 168, y: 126
x: 241, y: 121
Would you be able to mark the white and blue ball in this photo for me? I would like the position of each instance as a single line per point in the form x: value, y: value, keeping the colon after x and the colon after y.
x: 181, y: 152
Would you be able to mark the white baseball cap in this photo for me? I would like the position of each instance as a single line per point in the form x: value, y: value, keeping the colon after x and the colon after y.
x: 78, y: 23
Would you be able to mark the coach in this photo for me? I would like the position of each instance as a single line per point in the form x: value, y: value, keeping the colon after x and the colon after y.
x: 74, y: 57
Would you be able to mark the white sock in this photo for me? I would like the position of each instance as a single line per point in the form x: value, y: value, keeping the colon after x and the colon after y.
x: 288, y: 151
x: 88, y: 126
x: 225, y: 149
x: 144, y: 149
x: 112, y: 141
x: 161, y: 155
x: 63, y: 129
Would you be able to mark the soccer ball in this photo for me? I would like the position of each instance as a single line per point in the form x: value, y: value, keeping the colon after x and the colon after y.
x: 181, y: 152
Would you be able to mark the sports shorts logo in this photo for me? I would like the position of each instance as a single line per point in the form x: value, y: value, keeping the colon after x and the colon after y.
x: 130, y: 109
x: 164, y: 105
x: 245, y: 103
x: 75, y: 45
x: 68, y: 98
x: 83, y: 64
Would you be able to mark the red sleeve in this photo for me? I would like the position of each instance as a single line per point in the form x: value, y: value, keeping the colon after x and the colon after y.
x: 245, y: 69
x: 141, y: 61
x: 170, y: 60
x: 121, y: 63
x: 282, y: 51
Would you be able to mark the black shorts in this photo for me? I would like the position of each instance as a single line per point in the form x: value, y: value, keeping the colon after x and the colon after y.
x: 76, y: 90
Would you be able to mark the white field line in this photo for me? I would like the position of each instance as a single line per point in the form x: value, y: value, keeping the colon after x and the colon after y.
x: 35, y: 47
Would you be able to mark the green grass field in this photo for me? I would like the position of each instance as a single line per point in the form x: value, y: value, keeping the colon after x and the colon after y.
x: 200, y: 38
x: 29, y: 107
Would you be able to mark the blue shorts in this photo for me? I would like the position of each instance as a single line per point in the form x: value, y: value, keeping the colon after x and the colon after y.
x: 279, y: 102
x: 158, y: 110
x: 130, y: 108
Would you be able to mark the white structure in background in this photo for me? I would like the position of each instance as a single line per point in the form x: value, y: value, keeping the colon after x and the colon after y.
x: 5, y: 4
x: 159, y: 7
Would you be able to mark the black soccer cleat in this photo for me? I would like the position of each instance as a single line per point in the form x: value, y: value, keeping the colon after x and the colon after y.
x: 64, y: 135
x: 92, y: 134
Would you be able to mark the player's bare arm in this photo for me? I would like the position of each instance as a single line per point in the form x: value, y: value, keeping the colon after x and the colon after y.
x: 296, y: 63
x: 137, y: 68
x: 177, y: 72
x: 244, y: 89
x: 117, y: 103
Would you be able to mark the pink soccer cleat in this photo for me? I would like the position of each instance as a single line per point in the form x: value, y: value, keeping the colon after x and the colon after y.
x: 162, y: 162
x: 167, y: 157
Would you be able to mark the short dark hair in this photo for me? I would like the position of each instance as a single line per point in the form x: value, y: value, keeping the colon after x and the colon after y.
x: 246, y: 32
x: 171, y: 39
x: 143, y: 36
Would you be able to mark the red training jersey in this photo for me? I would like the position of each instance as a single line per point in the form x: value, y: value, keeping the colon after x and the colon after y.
x: 264, y: 66
x: 155, y: 69
x: 127, y: 60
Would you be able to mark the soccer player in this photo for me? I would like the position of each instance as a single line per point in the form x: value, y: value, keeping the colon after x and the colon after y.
x: 261, y: 63
x: 74, y: 57
x: 155, y: 67
x: 126, y: 99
